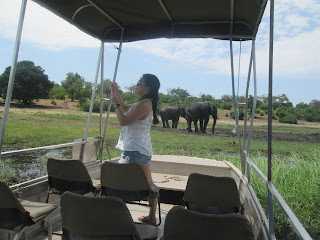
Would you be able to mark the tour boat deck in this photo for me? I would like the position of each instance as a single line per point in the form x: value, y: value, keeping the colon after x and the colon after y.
x: 163, y: 167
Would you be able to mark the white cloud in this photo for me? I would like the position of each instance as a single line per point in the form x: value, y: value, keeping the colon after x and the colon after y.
x: 41, y: 27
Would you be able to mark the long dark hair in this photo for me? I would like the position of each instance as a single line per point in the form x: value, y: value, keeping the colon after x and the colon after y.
x: 153, y: 83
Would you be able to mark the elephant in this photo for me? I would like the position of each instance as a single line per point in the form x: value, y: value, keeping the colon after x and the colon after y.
x: 201, y: 111
x: 171, y: 113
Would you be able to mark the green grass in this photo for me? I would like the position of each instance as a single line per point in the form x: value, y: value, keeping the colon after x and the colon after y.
x: 296, y: 168
x: 297, y: 180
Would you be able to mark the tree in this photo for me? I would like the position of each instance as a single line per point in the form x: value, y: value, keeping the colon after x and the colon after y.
x: 106, y: 87
x: 280, y: 100
x: 207, y: 98
x: 178, y: 92
x: 227, y: 98
x: 132, y: 89
x: 30, y: 82
x: 86, y: 92
x: 73, y: 84
x: 315, y: 104
x: 57, y: 92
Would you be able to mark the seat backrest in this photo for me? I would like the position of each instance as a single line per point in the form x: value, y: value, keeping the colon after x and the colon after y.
x: 69, y: 175
x: 211, y: 194
x: 12, y: 213
x: 127, y: 181
x: 84, y: 216
x: 183, y: 224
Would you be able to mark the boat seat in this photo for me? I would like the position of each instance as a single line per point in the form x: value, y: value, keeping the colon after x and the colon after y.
x: 16, y: 215
x: 69, y: 175
x: 92, y: 218
x: 128, y: 182
x: 181, y: 224
x: 209, y: 194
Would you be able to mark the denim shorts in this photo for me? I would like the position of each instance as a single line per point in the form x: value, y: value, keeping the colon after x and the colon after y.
x: 134, y: 157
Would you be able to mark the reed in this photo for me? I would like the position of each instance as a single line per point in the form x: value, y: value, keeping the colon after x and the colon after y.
x: 297, y: 180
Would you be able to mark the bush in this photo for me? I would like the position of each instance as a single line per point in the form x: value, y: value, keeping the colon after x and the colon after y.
x: 96, y: 107
x: 241, y: 114
x: 261, y: 113
x: 289, y: 118
x: 258, y: 111
x: 281, y: 113
x: 82, y: 100
x: 274, y: 117
x: 264, y: 106
x: 54, y: 102
x: 227, y: 105
x: 227, y: 115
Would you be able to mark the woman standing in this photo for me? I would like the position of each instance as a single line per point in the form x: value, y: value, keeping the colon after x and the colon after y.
x: 135, y: 119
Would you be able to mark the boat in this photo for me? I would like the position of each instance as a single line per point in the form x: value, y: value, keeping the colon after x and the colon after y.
x: 127, y: 21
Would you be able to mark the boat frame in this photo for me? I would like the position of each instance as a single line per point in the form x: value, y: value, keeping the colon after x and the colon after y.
x: 244, y: 144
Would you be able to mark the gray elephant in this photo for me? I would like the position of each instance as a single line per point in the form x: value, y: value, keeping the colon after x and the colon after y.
x: 171, y: 113
x: 201, y: 111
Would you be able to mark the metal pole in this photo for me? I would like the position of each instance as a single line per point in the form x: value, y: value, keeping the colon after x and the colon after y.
x: 247, y: 102
x: 101, y: 102
x: 243, y: 165
x: 270, y: 201
x: 93, y: 91
x: 92, y: 102
x: 114, y: 80
x: 255, y: 93
x: 246, y: 117
x: 12, y: 72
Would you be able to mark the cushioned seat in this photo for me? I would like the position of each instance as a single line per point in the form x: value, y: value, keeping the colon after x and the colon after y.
x: 92, y: 218
x: 69, y: 175
x: 17, y: 214
x: 209, y: 194
x: 184, y: 224
x: 128, y: 182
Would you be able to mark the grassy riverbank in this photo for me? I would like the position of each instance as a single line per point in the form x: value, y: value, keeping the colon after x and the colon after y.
x: 296, y: 167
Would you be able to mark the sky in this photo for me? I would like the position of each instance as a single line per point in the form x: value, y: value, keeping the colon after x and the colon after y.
x: 200, y: 66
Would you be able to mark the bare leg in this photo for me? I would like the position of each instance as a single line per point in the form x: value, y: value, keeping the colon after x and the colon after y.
x: 152, y: 214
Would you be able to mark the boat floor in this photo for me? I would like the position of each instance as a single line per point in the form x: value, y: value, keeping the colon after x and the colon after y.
x: 164, y: 181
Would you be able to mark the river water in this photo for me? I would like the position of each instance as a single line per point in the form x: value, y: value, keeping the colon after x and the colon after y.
x: 18, y: 168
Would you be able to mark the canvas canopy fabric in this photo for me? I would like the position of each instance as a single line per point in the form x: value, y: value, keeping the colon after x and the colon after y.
x: 150, y: 19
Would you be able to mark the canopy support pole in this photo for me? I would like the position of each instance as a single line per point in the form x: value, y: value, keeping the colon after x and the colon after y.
x: 246, y: 112
x: 12, y: 72
x: 101, y: 102
x: 243, y: 164
x: 92, y: 99
x: 253, y: 110
x: 114, y: 80
x: 270, y: 199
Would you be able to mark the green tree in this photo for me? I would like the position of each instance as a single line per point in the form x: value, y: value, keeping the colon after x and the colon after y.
x: 57, y: 92
x: 227, y: 98
x: 132, y: 90
x: 30, y: 82
x: 106, y: 87
x: 73, y: 84
x: 86, y: 92
x: 179, y: 93
x: 315, y: 104
x: 280, y: 100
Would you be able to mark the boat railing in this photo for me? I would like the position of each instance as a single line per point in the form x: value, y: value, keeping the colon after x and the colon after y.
x: 50, y: 147
x: 293, y: 220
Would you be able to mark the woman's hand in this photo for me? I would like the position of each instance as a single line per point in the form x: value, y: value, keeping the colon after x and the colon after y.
x: 115, y: 93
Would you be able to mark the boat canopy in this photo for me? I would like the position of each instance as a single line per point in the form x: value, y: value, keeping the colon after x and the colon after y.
x: 151, y: 19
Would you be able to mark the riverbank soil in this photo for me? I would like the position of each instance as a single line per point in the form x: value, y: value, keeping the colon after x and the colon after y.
x: 68, y: 107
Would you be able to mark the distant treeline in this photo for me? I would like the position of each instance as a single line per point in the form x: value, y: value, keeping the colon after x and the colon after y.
x: 31, y: 83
